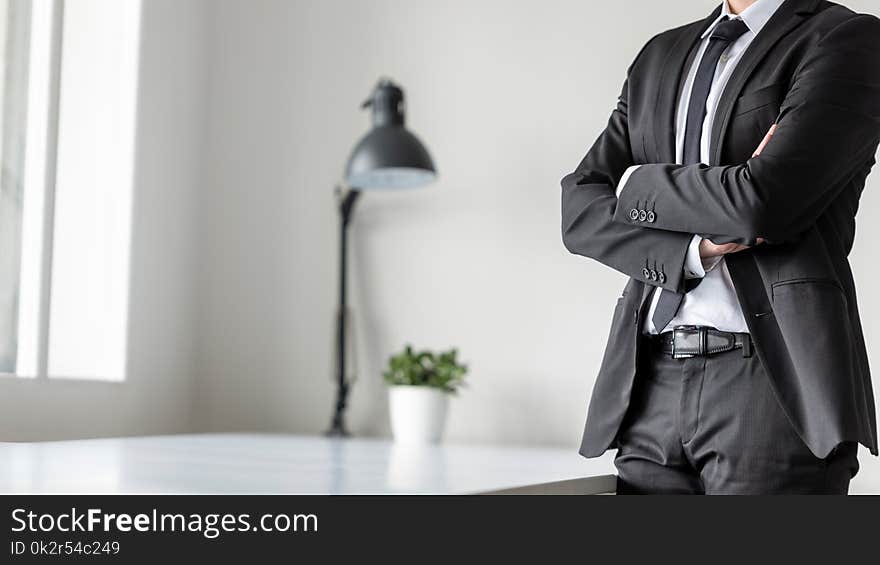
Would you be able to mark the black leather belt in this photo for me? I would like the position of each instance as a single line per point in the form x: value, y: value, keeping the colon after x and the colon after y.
x: 696, y: 341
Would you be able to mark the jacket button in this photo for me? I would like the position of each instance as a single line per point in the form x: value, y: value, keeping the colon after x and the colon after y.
x: 654, y: 276
x: 634, y: 214
x: 651, y: 217
x: 662, y: 277
x: 643, y: 215
x: 646, y: 273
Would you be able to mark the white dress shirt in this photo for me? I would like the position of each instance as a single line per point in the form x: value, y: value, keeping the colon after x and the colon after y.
x: 713, y: 303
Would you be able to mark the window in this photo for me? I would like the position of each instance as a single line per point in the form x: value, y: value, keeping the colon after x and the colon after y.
x: 67, y: 126
x: 15, y: 23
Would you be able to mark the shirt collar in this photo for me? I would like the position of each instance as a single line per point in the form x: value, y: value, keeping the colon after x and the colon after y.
x: 755, y: 16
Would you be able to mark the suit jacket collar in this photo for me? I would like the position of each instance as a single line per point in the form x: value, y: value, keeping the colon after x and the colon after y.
x: 755, y: 16
x: 785, y: 19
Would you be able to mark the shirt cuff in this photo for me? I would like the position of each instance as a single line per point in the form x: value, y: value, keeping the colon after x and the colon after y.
x: 693, y: 264
x: 626, y: 174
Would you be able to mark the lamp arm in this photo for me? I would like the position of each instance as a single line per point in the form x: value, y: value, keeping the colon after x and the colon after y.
x: 346, y: 200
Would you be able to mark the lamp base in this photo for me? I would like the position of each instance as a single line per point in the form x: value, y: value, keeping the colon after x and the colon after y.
x: 337, y: 430
x: 337, y: 424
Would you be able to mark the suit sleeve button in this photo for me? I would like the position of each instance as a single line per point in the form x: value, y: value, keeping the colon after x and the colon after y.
x: 651, y: 217
x: 643, y: 215
x: 654, y: 275
x: 662, y: 277
x: 646, y: 273
x: 634, y: 214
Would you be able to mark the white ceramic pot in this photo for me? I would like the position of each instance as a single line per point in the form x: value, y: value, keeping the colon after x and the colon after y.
x: 418, y: 413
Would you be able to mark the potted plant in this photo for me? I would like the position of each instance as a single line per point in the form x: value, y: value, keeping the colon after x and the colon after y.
x: 420, y: 384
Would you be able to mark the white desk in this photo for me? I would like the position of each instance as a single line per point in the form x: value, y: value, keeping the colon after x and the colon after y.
x: 275, y: 464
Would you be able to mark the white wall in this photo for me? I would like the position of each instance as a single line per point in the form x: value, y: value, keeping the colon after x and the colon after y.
x: 157, y: 397
x: 248, y: 109
x: 507, y: 96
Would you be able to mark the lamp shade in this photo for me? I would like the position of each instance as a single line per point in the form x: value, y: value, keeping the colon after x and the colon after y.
x: 389, y: 156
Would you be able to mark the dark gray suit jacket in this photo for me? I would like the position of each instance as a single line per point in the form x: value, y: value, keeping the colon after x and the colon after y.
x: 815, y: 71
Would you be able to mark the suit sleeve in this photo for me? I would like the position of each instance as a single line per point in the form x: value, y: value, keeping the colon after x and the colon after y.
x: 827, y: 132
x: 588, y: 205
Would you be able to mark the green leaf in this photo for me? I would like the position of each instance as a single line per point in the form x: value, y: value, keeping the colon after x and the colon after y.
x: 426, y: 368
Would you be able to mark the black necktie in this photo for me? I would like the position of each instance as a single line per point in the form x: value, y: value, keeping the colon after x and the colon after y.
x: 725, y: 33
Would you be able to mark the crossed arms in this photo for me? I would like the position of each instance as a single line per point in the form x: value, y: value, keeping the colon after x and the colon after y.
x: 827, y: 132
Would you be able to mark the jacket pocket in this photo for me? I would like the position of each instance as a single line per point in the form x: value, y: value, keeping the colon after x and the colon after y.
x: 786, y: 284
x: 749, y: 101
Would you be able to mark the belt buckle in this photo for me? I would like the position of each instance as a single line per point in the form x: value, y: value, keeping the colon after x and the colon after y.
x: 702, y: 331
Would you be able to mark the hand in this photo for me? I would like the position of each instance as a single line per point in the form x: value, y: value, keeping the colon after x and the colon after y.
x: 764, y: 141
x: 709, y: 249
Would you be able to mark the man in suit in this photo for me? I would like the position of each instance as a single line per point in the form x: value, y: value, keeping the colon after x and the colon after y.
x: 726, y: 186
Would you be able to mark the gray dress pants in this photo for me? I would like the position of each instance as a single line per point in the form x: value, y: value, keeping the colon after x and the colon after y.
x: 712, y: 425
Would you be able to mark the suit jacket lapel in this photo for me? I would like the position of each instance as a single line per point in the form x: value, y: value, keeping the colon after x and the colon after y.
x: 669, y: 89
x: 671, y: 78
x: 787, y: 17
